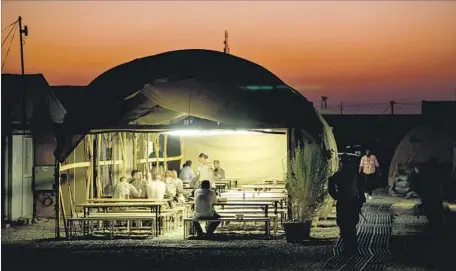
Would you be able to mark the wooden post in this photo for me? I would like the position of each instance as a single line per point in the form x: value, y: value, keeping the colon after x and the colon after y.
x: 181, y: 141
x: 99, y: 186
x: 57, y: 196
x: 124, y: 150
x: 62, y: 204
x: 165, y: 150
x: 87, y: 144
x: 157, y: 150
x: 74, y: 178
x: 146, y: 153
x: 135, y: 150
x: 119, y: 151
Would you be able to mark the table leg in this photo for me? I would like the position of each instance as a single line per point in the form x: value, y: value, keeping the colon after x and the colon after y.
x: 85, y: 225
x: 185, y: 230
x: 152, y: 227
x: 266, y: 214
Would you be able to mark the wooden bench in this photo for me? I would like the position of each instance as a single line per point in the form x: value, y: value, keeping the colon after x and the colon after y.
x: 190, y: 221
x: 273, y: 217
x: 110, y: 217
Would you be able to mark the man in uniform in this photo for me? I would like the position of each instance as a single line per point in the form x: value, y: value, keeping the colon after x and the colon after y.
x: 344, y: 187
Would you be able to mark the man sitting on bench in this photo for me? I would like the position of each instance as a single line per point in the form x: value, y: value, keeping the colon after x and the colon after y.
x: 204, y: 209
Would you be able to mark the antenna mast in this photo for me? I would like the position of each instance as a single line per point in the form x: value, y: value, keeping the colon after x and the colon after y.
x: 226, y: 49
x: 25, y: 32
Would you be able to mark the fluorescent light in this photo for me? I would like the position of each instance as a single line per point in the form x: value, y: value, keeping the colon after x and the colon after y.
x: 208, y: 132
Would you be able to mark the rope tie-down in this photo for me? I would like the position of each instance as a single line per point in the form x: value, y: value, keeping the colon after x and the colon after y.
x: 374, y: 234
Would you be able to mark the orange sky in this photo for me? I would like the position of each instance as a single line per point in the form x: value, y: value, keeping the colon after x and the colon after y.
x: 350, y: 51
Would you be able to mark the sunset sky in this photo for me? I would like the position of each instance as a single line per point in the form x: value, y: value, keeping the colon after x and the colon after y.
x: 360, y: 51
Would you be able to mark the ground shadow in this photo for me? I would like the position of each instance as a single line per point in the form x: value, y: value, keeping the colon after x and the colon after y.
x: 425, y: 250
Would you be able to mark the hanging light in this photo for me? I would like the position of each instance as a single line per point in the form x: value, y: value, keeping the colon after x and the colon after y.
x: 208, y: 132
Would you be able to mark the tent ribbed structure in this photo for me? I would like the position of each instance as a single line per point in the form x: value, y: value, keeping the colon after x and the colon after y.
x: 422, y: 143
x: 164, y: 88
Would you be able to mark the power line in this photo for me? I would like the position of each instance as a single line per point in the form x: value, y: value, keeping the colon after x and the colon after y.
x: 6, y: 27
x: 386, y: 110
x: 9, y: 47
x: 12, y: 29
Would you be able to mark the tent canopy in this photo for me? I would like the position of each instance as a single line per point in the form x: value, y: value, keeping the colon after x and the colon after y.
x: 29, y: 95
x: 422, y: 143
x: 164, y: 88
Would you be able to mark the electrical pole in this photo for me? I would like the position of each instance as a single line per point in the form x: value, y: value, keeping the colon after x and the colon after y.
x: 392, y: 103
x: 324, y: 102
x: 226, y: 49
x: 25, y: 32
x: 341, y: 108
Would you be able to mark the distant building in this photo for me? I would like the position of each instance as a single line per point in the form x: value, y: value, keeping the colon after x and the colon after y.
x: 438, y: 109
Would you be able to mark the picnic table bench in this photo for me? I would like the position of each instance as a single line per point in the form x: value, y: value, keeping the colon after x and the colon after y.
x: 154, y: 206
x: 109, y: 218
x: 190, y: 221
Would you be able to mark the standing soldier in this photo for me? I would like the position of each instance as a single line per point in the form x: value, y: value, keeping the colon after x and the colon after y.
x: 343, y: 186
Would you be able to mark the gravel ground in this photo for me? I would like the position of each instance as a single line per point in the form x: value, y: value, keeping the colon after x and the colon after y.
x: 413, y: 249
x: 227, y: 251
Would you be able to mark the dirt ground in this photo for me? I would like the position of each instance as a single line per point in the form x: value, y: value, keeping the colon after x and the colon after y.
x: 32, y: 246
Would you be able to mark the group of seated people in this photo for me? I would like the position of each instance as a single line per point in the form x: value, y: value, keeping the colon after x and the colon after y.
x: 154, y: 187
x: 157, y: 188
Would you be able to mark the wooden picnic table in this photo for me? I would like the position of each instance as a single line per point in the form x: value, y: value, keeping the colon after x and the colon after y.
x: 243, y: 194
x: 98, y: 200
x: 228, y: 181
x: 263, y: 186
x: 153, y: 205
x: 262, y: 204
x: 220, y: 187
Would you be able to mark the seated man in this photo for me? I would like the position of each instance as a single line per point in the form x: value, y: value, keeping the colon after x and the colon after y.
x: 139, y: 182
x: 219, y: 172
x: 171, y: 186
x: 123, y: 189
x: 155, y: 188
x: 204, y: 209
x: 187, y: 174
x: 180, y: 187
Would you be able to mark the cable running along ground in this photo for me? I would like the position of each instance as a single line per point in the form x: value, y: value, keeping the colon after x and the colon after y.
x: 9, y: 47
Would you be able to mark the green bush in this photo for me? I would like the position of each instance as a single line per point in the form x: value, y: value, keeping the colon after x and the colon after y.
x: 306, y: 179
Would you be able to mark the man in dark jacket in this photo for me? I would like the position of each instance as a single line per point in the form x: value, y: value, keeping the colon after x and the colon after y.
x: 429, y: 188
x: 344, y: 187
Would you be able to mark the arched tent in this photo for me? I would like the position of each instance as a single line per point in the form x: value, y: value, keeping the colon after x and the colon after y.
x: 422, y: 143
x: 164, y: 88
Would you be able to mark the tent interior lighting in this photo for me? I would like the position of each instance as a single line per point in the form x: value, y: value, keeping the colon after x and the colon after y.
x: 208, y: 132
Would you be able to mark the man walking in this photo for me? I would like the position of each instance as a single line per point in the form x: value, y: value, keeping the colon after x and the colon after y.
x: 367, y: 168
x: 344, y: 187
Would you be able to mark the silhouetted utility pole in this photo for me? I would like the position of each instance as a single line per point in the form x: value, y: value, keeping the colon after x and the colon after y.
x: 226, y: 49
x: 341, y: 108
x: 324, y: 102
x: 392, y: 103
x: 25, y: 32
